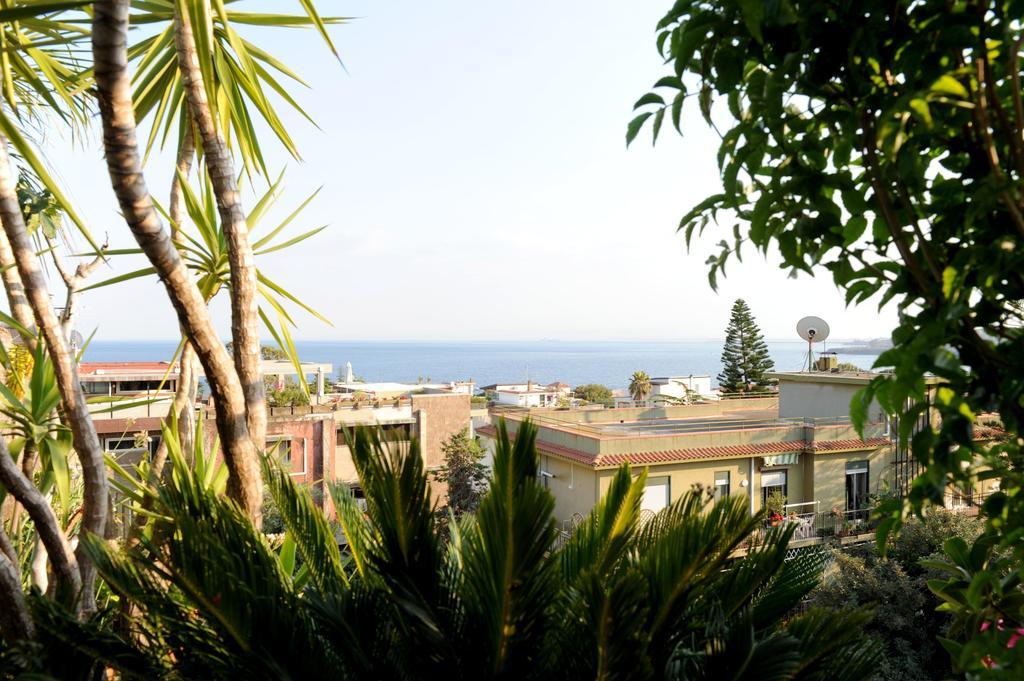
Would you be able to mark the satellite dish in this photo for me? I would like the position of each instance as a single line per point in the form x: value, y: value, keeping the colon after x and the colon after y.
x: 812, y: 329
x: 76, y: 339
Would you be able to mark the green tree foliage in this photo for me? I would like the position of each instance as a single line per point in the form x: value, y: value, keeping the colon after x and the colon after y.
x: 593, y: 392
x: 667, y: 599
x: 465, y: 476
x: 883, y: 142
x: 848, y: 366
x: 639, y: 385
x: 745, y: 358
x: 289, y: 395
x: 906, y: 622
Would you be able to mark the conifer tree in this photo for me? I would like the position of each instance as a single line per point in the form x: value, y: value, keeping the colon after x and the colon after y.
x: 745, y: 358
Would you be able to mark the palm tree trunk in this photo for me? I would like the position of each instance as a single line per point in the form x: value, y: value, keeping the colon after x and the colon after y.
x: 110, y: 58
x: 87, y: 445
x: 220, y: 167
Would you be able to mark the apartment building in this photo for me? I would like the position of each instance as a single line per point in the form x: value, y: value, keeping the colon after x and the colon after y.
x: 129, y: 401
x: 798, y: 443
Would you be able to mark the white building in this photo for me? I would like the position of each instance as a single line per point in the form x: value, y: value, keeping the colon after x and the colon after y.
x: 674, y: 388
x: 527, y: 395
x: 669, y: 390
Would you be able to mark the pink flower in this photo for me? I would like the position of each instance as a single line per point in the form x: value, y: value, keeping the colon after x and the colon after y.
x: 984, y: 626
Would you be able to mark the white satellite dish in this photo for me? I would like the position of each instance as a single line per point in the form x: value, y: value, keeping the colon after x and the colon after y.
x: 76, y: 340
x: 813, y: 330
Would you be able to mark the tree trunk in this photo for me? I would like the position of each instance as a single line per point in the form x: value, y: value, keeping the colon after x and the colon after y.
x: 187, y: 375
x: 220, y: 167
x: 110, y: 57
x: 15, y: 622
x: 87, y: 445
x: 15, y: 290
x: 65, y: 565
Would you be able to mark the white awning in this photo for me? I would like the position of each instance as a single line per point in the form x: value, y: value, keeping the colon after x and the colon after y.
x: 787, y: 459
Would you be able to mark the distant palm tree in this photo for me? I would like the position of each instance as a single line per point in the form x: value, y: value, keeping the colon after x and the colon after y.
x: 640, y: 386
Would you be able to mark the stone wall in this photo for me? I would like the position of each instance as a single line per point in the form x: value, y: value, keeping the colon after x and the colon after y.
x: 438, y: 417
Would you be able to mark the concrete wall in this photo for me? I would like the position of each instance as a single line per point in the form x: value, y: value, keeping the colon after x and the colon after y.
x: 438, y: 417
x: 676, y: 387
x: 683, y: 476
x: 830, y: 475
x: 311, y: 446
x: 799, y: 399
x: 574, y: 486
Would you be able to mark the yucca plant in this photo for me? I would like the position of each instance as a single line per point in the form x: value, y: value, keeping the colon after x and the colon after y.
x: 669, y: 599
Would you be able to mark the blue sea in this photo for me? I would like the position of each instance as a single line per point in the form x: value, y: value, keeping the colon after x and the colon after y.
x: 486, y: 362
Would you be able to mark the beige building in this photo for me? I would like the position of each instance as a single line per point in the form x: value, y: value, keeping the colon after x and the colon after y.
x: 799, y: 443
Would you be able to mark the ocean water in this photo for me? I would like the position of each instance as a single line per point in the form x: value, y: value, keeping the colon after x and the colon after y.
x: 486, y: 362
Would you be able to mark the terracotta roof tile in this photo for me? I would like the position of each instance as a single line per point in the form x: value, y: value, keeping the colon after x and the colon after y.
x: 700, y: 453
x: 839, y: 445
x: 722, y: 452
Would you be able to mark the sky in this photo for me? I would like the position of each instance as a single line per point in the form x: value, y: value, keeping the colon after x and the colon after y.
x: 477, y: 186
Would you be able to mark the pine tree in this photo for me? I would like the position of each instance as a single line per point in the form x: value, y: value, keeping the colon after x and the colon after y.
x: 465, y: 475
x: 745, y: 358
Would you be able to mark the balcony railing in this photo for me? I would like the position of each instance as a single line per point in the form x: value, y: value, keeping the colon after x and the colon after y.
x: 827, y: 524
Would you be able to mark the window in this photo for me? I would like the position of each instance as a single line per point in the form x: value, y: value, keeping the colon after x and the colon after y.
x: 656, y: 494
x: 856, y: 485
x: 142, y: 386
x: 97, y: 388
x: 281, y: 446
x: 721, y: 485
x: 140, y: 442
x: 772, y: 482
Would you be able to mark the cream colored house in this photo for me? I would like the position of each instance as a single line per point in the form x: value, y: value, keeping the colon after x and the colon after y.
x: 737, y: 450
x: 799, y: 442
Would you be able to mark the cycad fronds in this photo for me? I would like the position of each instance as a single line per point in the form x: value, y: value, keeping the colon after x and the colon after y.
x: 672, y: 599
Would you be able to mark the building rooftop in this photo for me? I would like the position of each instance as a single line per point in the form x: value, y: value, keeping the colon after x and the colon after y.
x: 108, y: 370
x: 660, y: 380
x: 847, y: 377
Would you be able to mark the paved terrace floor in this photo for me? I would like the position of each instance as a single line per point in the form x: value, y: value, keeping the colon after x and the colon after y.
x: 735, y: 420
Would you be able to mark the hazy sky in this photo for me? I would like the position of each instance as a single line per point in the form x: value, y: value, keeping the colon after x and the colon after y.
x: 477, y: 186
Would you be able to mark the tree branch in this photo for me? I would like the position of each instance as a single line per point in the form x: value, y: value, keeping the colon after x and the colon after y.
x: 888, y: 211
x: 73, y: 281
x: 980, y: 113
x: 15, y: 621
x: 65, y: 564
x: 76, y: 410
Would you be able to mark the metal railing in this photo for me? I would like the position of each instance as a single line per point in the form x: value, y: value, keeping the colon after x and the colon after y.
x: 827, y: 524
x: 967, y: 502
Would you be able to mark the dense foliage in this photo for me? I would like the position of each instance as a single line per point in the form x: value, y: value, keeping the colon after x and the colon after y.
x: 667, y: 599
x: 593, y: 392
x: 882, y: 141
x: 745, y: 359
x: 906, y: 622
x: 463, y: 474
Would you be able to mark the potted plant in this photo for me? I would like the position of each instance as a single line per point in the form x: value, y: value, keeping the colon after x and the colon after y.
x: 775, y: 507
